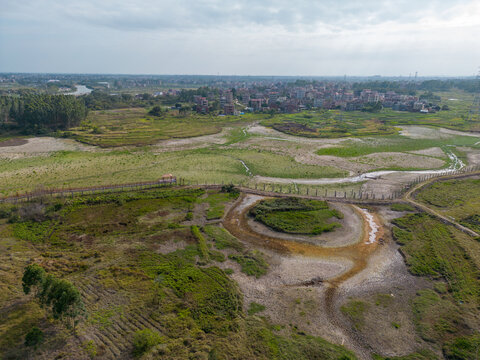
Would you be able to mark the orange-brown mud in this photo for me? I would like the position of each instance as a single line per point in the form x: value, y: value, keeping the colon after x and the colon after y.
x: 236, y: 222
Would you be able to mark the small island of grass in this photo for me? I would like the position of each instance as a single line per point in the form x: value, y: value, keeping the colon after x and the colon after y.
x: 296, y: 216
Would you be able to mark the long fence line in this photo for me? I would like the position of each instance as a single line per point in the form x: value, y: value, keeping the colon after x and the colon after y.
x: 64, y: 192
x: 248, y: 186
x: 332, y: 194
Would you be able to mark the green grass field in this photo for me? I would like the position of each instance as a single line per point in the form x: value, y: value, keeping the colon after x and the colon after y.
x: 393, y: 143
x: 296, y: 216
x: 75, y: 169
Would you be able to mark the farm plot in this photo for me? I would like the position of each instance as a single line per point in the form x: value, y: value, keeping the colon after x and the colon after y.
x: 111, y: 128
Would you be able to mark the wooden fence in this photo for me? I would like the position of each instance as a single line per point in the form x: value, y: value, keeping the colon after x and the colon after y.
x: 64, y: 192
x: 249, y: 186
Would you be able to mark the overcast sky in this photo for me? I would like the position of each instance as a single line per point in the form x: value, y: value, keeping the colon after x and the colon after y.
x: 251, y: 37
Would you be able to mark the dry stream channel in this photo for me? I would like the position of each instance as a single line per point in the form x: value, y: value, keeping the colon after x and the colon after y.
x: 351, y: 256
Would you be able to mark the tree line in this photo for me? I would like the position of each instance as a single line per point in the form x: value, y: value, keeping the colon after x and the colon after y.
x: 41, y: 113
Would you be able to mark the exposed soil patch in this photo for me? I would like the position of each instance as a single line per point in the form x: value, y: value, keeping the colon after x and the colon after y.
x: 399, y: 160
x: 18, y: 148
x: 13, y: 142
x: 191, y: 143
x: 435, y: 151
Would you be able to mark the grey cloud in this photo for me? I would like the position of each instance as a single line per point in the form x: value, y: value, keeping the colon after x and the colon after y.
x: 207, y: 14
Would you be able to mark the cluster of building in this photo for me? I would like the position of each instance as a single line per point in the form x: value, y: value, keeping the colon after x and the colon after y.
x: 286, y: 98
x: 225, y: 103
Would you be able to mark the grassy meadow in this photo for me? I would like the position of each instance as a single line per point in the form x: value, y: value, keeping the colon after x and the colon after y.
x: 75, y: 169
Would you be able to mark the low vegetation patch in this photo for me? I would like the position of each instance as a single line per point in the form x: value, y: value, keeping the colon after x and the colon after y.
x: 435, y: 250
x: 144, y: 340
x: 329, y: 124
x: 255, y: 308
x: 296, y: 216
x: 252, y: 263
x: 401, y: 207
x: 222, y: 238
x: 457, y: 198
x: 392, y: 143
x: 465, y: 347
x: 181, y: 305
x: 355, y: 311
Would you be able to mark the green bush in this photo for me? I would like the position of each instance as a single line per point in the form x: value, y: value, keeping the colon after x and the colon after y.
x: 144, y: 340
x: 34, y: 337
x: 33, y: 231
x: 223, y: 239
x: 201, y: 242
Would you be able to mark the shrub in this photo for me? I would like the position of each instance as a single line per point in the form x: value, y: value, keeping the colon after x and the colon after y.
x: 230, y: 188
x: 223, y: 239
x: 202, y: 243
x: 144, y: 340
x: 34, y: 337
x: 90, y: 348
x: 33, y: 276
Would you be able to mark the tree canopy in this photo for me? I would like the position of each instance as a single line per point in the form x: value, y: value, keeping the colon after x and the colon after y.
x: 37, y: 113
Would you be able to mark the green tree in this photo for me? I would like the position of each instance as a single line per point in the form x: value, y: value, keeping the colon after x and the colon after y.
x: 156, y: 111
x: 33, y: 276
x: 58, y: 295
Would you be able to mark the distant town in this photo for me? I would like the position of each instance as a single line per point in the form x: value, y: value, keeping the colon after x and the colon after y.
x: 237, y: 95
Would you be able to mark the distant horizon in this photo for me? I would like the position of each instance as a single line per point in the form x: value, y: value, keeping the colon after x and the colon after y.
x: 473, y: 76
